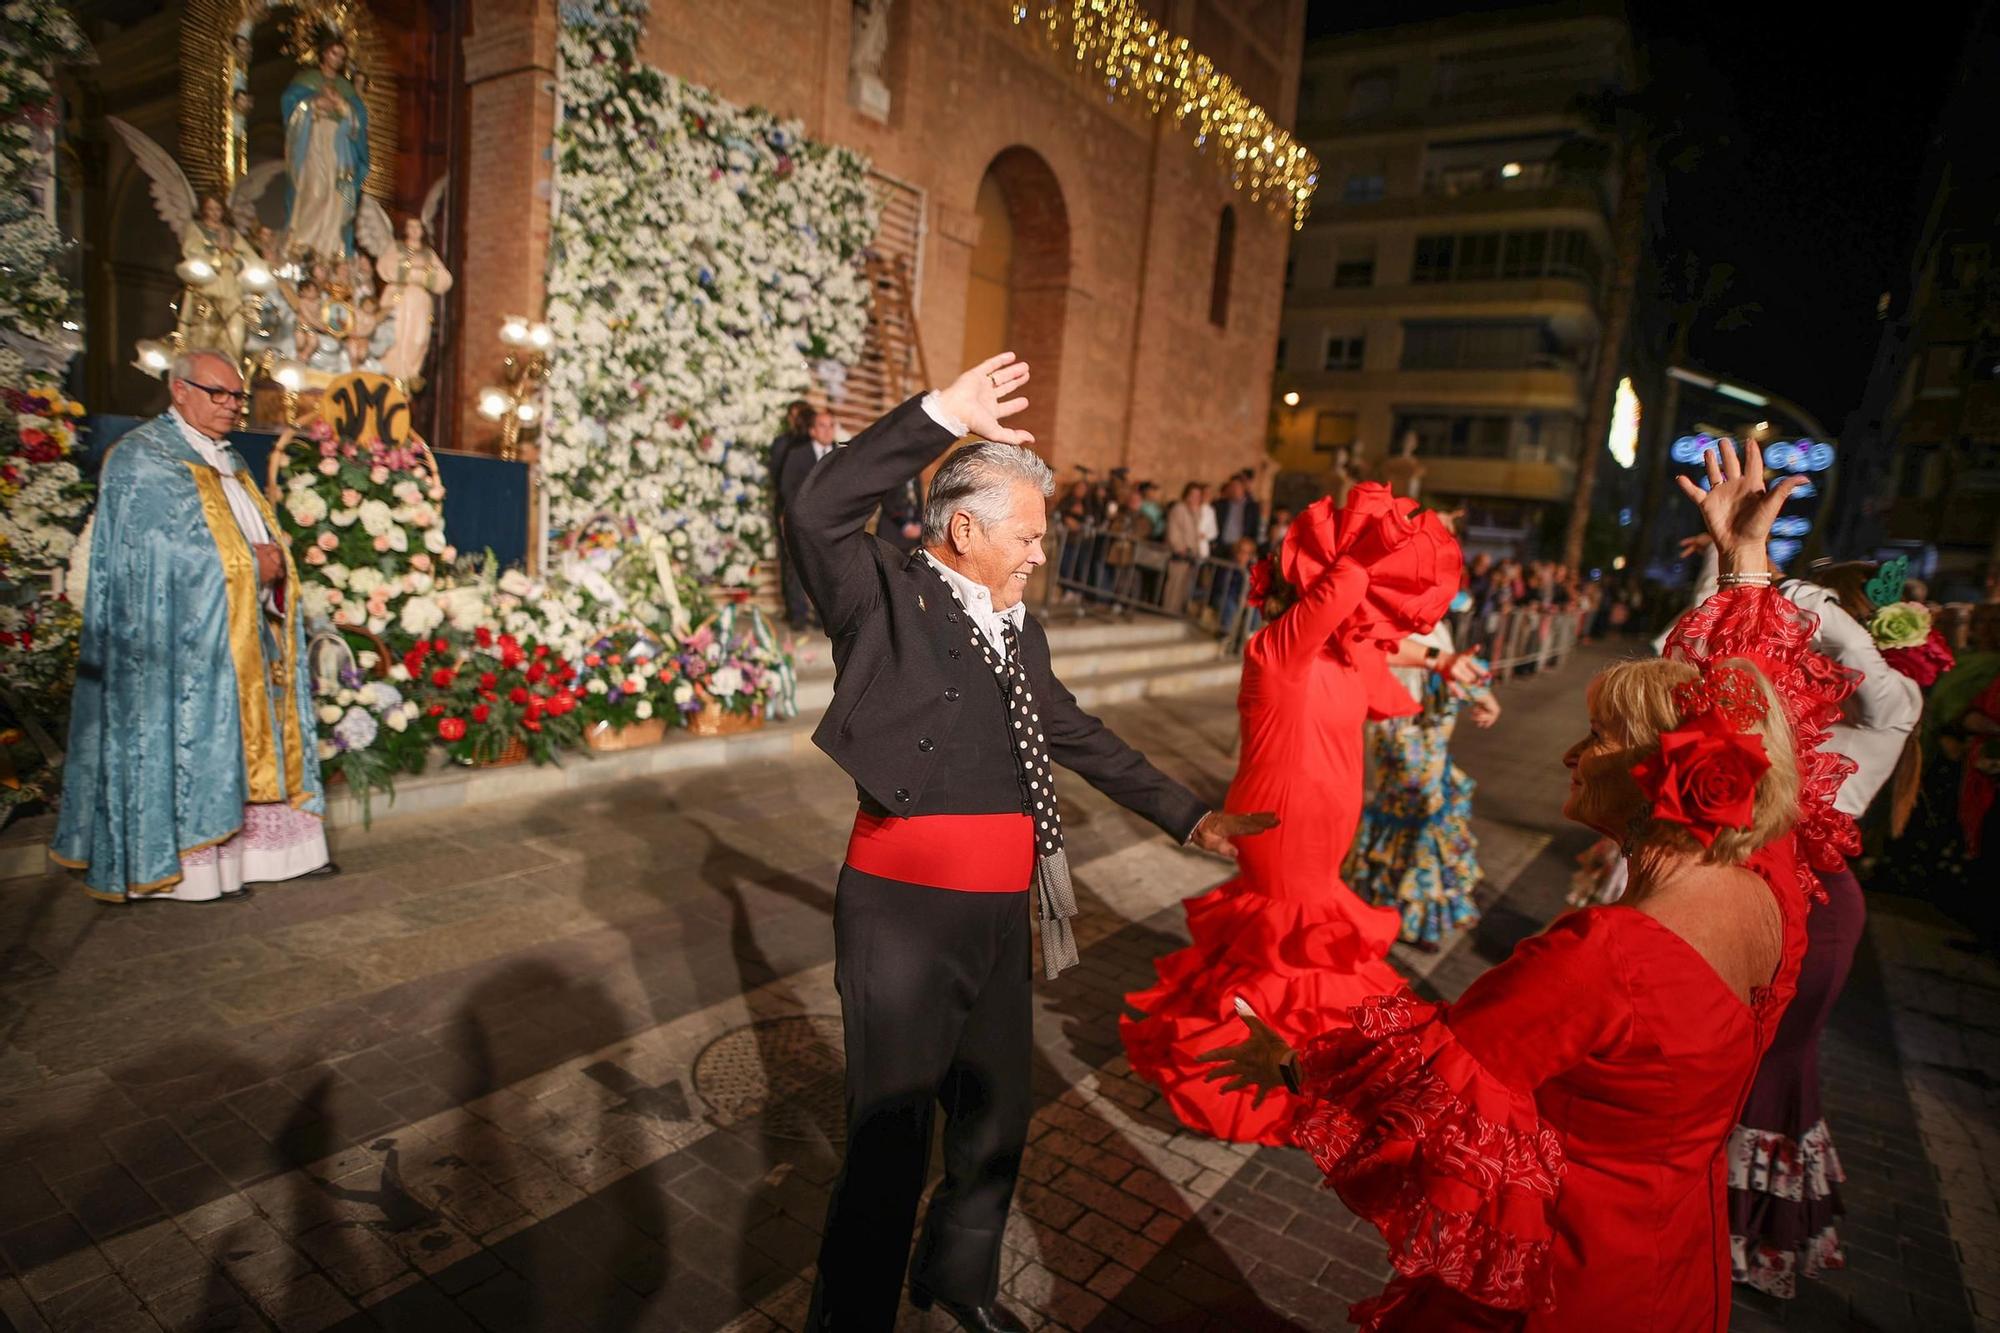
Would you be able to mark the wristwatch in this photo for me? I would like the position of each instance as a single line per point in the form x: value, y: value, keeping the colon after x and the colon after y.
x: 1431, y: 656
x: 1289, y: 1071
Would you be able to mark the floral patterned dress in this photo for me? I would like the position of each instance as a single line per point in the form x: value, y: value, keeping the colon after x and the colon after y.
x: 1415, y: 851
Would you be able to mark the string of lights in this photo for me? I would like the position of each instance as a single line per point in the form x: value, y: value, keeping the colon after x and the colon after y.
x: 1119, y: 45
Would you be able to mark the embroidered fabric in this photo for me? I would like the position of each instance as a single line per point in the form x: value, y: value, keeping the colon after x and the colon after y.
x: 1456, y: 1169
x: 1776, y: 1272
x: 1762, y: 625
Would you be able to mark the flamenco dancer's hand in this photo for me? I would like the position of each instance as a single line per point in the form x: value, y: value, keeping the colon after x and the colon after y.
x: 1736, y: 508
x: 979, y: 398
x: 1258, y: 1063
x: 1218, y: 830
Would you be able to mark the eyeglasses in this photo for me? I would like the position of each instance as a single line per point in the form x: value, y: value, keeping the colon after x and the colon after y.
x: 218, y: 395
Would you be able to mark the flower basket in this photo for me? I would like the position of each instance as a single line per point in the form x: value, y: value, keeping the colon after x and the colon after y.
x: 515, y: 753
x: 714, y: 720
x: 606, y: 738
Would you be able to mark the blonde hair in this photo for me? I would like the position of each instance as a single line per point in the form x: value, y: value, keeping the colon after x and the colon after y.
x: 1636, y: 700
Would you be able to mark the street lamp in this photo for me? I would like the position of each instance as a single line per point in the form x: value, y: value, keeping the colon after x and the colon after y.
x: 516, y: 402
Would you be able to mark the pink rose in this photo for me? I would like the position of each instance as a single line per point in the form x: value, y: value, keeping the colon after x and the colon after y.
x: 315, y: 556
x: 327, y: 541
x: 335, y: 596
x: 420, y: 561
x: 437, y: 492
x: 378, y: 475
x: 381, y: 543
x: 349, y: 497
x: 328, y: 466
x: 450, y: 554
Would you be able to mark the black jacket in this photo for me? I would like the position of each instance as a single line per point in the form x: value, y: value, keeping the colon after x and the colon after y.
x: 904, y: 667
x: 901, y: 507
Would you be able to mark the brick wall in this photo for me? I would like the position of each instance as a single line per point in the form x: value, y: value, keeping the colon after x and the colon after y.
x: 1138, y: 376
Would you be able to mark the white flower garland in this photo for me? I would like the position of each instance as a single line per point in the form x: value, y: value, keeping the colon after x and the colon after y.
x: 703, y: 256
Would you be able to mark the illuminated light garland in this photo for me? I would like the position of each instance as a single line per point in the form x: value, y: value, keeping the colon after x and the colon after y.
x: 1134, y: 56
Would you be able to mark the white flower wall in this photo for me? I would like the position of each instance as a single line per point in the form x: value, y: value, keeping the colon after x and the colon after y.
x: 703, y: 256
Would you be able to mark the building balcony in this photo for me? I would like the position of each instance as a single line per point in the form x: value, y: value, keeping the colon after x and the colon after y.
x: 1499, y: 477
x: 1576, y: 205
x: 1552, y: 388
x: 1537, y: 297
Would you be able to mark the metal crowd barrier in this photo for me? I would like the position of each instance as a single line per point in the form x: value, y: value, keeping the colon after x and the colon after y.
x: 1103, y: 568
x: 1108, y: 569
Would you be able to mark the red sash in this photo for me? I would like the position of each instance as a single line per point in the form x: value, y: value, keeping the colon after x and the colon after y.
x: 968, y: 853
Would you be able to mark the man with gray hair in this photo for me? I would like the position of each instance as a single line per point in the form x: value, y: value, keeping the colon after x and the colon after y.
x: 192, y: 768
x: 949, y: 718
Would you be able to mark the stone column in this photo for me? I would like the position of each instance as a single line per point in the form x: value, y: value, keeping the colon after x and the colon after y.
x: 510, y: 65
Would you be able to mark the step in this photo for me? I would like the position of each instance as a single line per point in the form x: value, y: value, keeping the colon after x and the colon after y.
x: 1103, y: 666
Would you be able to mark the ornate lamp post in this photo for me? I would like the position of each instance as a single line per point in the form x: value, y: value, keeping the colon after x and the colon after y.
x: 516, y: 402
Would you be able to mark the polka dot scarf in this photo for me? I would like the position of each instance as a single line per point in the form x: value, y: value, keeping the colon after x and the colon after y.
x: 1055, y: 894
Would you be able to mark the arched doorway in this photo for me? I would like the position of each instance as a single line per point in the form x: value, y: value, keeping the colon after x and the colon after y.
x: 1017, y: 292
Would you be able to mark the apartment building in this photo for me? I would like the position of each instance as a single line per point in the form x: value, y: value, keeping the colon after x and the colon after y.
x: 1449, y: 282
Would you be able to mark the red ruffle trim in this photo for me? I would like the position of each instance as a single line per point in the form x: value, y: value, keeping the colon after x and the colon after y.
x: 1455, y: 1169
x: 1767, y: 628
x: 1302, y: 965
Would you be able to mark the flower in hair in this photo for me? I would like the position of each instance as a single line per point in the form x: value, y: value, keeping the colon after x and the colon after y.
x: 1900, y: 625
x: 1704, y: 776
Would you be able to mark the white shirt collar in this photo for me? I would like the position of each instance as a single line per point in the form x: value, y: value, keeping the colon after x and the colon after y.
x: 214, y: 452
x: 978, y: 604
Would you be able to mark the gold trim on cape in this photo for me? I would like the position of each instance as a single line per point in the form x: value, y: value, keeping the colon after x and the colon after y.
x: 284, y: 671
x: 246, y: 648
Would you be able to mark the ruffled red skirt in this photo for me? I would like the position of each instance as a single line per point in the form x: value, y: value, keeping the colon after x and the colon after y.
x: 1302, y: 964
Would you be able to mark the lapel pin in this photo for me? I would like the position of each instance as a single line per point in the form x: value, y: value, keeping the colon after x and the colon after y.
x: 920, y: 603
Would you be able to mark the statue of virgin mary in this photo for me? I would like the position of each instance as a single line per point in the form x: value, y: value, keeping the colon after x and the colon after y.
x: 326, y: 154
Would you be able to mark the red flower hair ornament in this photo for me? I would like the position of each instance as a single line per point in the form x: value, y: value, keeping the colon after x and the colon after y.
x: 1704, y: 775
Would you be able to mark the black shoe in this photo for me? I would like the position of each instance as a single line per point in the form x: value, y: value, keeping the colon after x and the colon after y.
x: 972, y: 1318
x: 330, y: 868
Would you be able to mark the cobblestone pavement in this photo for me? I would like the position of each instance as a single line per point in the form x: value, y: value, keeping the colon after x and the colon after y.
x: 575, y: 1066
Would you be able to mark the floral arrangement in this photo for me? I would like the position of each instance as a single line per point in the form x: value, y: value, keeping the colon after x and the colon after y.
x: 731, y: 661
x: 367, y: 736
x: 629, y: 677
x: 494, y: 692
x: 704, y: 255
x: 43, y: 497
x: 367, y: 522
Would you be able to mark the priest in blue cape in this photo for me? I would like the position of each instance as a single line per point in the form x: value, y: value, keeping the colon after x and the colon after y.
x: 193, y: 768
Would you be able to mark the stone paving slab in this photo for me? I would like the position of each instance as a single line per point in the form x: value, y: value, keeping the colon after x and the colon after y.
x: 478, y: 1081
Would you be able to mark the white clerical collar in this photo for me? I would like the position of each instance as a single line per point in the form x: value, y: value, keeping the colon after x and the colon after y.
x: 211, y: 450
x: 977, y: 599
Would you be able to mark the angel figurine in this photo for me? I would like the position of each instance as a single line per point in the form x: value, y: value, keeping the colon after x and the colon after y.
x: 412, y: 278
x: 221, y: 276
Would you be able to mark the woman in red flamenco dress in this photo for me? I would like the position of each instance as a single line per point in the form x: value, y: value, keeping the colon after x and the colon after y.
x: 1286, y: 933
x: 1547, y: 1152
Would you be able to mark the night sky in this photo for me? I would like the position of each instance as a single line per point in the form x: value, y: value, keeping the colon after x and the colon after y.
x: 1813, y: 196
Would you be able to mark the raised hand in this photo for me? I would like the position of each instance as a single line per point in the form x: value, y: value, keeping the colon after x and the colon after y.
x: 1218, y: 830
x: 979, y: 398
x: 1736, y: 508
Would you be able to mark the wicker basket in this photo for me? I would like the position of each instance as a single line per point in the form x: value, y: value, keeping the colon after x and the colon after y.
x: 712, y: 720
x: 515, y: 753
x: 606, y: 738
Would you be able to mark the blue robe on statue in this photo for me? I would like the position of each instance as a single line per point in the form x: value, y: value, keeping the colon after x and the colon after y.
x: 333, y: 200
x: 192, y: 703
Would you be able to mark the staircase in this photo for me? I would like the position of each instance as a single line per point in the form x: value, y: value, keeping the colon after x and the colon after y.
x: 1103, y: 664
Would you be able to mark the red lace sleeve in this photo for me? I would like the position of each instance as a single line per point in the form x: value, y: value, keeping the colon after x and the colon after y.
x: 1764, y: 626
x: 1423, y: 1119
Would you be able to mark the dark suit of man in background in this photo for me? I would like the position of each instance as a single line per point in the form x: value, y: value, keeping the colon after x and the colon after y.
x: 948, y: 717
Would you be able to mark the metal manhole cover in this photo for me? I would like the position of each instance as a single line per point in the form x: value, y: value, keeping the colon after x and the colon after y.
x: 788, y: 1071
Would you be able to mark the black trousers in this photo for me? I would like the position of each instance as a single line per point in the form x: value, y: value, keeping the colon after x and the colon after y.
x: 935, y: 991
